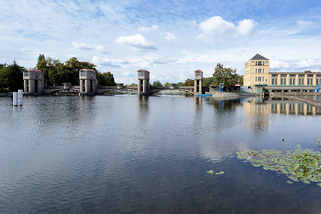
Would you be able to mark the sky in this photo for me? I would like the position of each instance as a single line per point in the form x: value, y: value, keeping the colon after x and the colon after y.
x: 170, y: 38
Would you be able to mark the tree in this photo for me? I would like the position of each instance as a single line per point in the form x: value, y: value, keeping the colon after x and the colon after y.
x: 157, y: 84
x: 105, y: 79
x: 3, y: 79
x: 228, y: 76
x: 189, y: 82
x: 11, y: 77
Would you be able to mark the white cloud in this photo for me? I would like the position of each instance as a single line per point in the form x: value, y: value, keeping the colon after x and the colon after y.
x: 245, y: 26
x: 308, y: 63
x: 86, y: 46
x: 169, y: 36
x: 278, y: 64
x: 148, y: 29
x: 217, y: 25
x: 138, y: 41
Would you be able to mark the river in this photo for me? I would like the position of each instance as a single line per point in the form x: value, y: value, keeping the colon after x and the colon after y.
x: 122, y: 154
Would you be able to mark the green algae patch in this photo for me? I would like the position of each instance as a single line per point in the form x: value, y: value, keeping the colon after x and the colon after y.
x: 299, y: 166
x: 220, y: 173
x: 211, y: 172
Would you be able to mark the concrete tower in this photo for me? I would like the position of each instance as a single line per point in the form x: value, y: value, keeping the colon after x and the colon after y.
x: 143, y: 82
x: 33, y: 82
x: 88, y: 82
x: 198, y: 80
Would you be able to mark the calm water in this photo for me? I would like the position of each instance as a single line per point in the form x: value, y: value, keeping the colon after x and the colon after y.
x: 125, y: 155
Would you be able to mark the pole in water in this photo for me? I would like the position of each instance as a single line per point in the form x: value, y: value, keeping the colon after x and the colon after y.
x: 20, y: 97
x: 15, y: 98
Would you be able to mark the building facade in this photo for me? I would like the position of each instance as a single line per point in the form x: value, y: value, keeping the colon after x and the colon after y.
x: 258, y: 76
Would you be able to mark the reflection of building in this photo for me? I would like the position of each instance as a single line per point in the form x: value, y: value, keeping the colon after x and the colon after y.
x: 257, y: 75
x: 33, y: 81
x: 257, y: 115
x: 258, y: 112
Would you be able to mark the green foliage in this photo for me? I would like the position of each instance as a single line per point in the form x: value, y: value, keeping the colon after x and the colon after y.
x: 208, y: 81
x: 180, y: 84
x: 105, y: 79
x: 11, y: 77
x: 132, y: 85
x: 228, y: 76
x: 57, y: 73
x: 189, y: 82
x: 300, y: 166
x: 157, y: 84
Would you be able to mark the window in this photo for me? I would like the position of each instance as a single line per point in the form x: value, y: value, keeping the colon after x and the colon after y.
x: 292, y: 81
x: 283, y: 81
x: 274, y: 81
x: 309, y: 81
x: 301, y: 81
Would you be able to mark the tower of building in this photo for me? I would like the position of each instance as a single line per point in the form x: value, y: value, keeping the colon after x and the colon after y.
x: 257, y: 72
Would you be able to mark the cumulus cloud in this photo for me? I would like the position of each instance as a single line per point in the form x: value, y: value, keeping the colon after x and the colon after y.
x: 245, y: 26
x: 148, y: 29
x: 137, y: 41
x: 217, y: 25
x: 169, y: 36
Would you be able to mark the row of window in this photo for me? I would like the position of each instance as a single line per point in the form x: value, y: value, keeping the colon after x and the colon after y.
x: 259, y: 70
x: 292, y: 81
x: 259, y: 79
x: 259, y: 63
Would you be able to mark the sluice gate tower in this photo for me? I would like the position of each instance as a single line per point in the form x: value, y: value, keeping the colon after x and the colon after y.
x: 143, y: 88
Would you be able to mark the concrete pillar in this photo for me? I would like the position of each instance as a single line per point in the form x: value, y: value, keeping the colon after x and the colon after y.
x: 86, y: 86
x: 195, y: 86
x: 200, y: 86
x: 145, y: 86
x: 81, y: 85
x: 25, y: 86
x: 139, y: 87
x: 32, y: 86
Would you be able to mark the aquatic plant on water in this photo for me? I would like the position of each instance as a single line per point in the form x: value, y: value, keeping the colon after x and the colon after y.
x: 300, y: 165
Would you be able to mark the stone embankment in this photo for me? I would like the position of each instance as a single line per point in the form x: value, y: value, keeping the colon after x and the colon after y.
x: 227, y: 95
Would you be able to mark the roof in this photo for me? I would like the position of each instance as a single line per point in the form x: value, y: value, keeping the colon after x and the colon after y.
x: 259, y: 57
x: 142, y: 70
x: 33, y: 70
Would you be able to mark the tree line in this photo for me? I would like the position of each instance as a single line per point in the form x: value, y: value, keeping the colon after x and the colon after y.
x: 55, y: 73
x: 221, y: 74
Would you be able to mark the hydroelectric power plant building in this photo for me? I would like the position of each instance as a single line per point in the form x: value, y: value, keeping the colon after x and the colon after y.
x: 259, y: 78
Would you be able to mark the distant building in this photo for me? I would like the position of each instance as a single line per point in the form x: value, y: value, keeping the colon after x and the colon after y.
x: 258, y: 76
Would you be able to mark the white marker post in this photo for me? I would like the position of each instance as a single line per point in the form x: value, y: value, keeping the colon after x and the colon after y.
x: 20, y: 97
x: 15, y: 98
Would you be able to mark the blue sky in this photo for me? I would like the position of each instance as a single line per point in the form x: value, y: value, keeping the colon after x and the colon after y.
x: 171, y: 38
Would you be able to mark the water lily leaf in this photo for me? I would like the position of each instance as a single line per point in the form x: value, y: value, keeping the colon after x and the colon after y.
x: 220, y: 173
x: 211, y: 172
